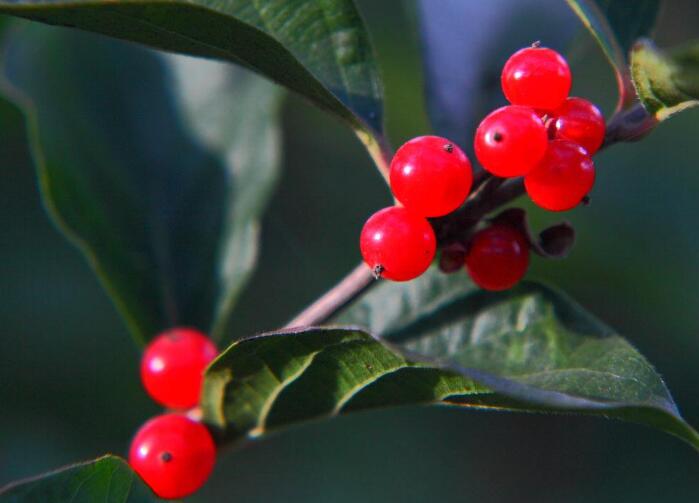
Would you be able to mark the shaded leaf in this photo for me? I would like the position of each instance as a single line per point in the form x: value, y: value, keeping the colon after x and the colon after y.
x: 686, y: 59
x: 445, y: 342
x: 665, y: 83
x: 320, y: 50
x: 107, y: 479
x: 616, y: 25
x: 464, y: 46
x: 157, y: 177
x: 533, y: 347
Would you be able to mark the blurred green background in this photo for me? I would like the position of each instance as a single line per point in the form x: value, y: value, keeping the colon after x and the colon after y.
x: 69, y: 384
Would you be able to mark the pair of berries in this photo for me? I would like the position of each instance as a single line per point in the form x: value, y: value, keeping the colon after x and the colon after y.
x: 496, y: 258
x: 543, y: 135
x: 173, y: 453
x: 431, y: 177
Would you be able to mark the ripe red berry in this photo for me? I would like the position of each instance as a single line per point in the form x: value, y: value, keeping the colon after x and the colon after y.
x: 173, y: 454
x: 563, y: 178
x: 430, y: 176
x: 536, y: 77
x: 579, y: 121
x: 397, y: 244
x: 498, y: 257
x: 173, y: 364
x: 511, y: 141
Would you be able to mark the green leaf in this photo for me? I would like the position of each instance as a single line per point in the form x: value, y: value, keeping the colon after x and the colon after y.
x: 665, y: 83
x: 535, y: 348
x: 616, y: 25
x: 320, y: 50
x: 267, y: 382
x: 107, y: 479
x: 156, y: 167
x: 443, y: 342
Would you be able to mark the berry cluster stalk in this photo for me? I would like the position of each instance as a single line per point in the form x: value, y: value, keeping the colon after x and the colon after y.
x: 489, y: 193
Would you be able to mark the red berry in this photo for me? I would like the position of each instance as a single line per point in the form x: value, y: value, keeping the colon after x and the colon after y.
x: 430, y: 176
x: 397, y: 244
x: 536, y: 77
x: 579, y: 121
x: 563, y: 178
x: 511, y: 141
x: 173, y: 365
x: 173, y: 454
x: 498, y: 257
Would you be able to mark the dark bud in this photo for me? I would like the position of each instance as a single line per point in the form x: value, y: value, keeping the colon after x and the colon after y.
x: 452, y: 258
x: 556, y: 241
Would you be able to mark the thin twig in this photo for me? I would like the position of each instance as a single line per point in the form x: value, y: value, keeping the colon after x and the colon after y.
x: 353, y: 285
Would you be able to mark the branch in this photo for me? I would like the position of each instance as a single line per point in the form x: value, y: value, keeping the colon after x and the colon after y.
x: 351, y: 287
x: 630, y: 124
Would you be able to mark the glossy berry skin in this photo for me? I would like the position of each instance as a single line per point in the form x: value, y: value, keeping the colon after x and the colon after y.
x: 536, y: 77
x: 563, y: 178
x: 430, y: 176
x: 173, y: 364
x: 497, y: 258
x: 579, y: 121
x: 511, y: 141
x: 398, y: 242
x: 173, y: 454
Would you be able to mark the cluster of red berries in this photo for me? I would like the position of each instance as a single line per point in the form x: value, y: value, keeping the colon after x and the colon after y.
x: 173, y: 453
x: 544, y: 136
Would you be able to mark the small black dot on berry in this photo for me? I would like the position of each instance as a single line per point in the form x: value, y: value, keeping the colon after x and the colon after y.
x: 378, y: 270
x: 498, y: 137
x: 449, y: 147
x: 166, y: 457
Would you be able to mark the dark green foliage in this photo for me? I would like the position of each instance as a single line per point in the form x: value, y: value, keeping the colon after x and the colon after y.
x: 158, y: 178
x: 318, y: 49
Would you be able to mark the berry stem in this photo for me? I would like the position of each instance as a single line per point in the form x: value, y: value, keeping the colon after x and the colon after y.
x: 379, y: 150
x: 631, y: 124
x: 349, y: 288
